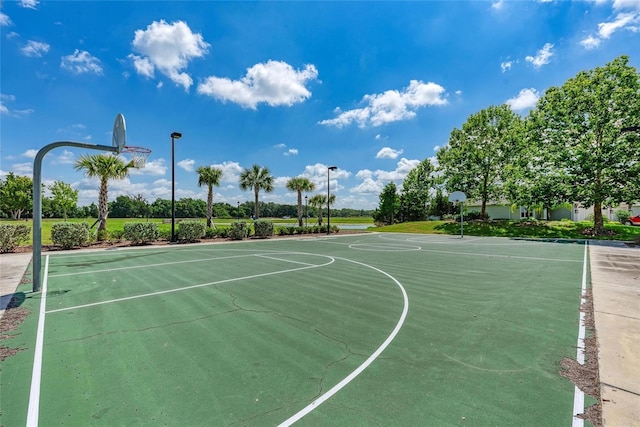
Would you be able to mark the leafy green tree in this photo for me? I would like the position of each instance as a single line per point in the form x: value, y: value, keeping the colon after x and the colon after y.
x: 16, y: 195
x: 256, y: 178
x: 387, y: 211
x: 209, y: 176
x: 299, y: 185
x: 64, y: 197
x: 581, y: 125
x: 477, y: 157
x: 440, y: 205
x: 161, y: 208
x: 415, y: 191
x: 104, y: 167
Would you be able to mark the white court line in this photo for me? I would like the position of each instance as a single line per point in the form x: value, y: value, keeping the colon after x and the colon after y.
x: 499, y: 256
x: 578, y: 395
x: 150, y: 265
x: 36, y: 375
x: 336, y: 388
x: 201, y: 285
x: 284, y: 260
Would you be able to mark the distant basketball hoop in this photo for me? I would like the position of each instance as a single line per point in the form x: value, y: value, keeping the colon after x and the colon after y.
x: 459, y: 197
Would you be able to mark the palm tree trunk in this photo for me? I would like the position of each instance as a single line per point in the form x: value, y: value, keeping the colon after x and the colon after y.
x: 256, y: 210
x: 209, y: 206
x: 103, y: 205
x: 299, y: 208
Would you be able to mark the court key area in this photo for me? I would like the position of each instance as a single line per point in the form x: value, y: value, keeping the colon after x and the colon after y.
x: 361, y: 329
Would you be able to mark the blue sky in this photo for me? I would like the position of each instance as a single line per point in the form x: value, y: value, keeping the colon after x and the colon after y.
x: 370, y: 87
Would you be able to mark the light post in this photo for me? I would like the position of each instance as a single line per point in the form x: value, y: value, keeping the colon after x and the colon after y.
x: 306, y: 212
x: 329, y: 169
x: 238, y: 211
x: 174, y: 136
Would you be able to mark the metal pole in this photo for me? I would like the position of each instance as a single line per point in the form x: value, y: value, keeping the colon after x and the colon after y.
x: 330, y: 168
x: 306, y: 212
x: 173, y: 191
x: 238, y: 211
x: 37, y: 201
x: 461, y: 222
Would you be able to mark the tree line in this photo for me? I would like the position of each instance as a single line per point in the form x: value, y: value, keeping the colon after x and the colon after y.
x: 580, y: 144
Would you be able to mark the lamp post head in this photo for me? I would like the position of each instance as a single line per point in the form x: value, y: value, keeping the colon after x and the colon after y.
x: 332, y: 168
x: 176, y: 135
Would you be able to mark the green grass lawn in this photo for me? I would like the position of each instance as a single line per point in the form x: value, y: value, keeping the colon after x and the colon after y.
x: 536, y: 229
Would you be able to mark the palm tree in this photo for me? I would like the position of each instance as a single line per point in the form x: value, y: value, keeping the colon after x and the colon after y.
x: 318, y: 201
x: 300, y: 184
x: 257, y: 178
x: 104, y: 167
x: 209, y: 176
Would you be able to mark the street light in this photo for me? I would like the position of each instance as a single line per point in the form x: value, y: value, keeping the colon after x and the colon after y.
x: 174, y: 136
x: 238, y: 211
x: 329, y: 169
x: 306, y: 212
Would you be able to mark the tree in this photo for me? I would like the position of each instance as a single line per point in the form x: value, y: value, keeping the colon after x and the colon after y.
x: 209, y: 176
x: 389, y: 204
x: 299, y: 185
x: 415, y: 191
x: 582, y: 128
x: 441, y: 206
x: 64, y: 197
x: 475, y: 160
x: 104, y: 167
x: 256, y: 178
x: 318, y: 201
x: 16, y: 195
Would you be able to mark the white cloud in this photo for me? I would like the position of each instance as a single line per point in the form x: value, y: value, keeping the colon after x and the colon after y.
x: 22, y: 169
x: 621, y: 21
x: 378, y: 136
x: 498, y: 5
x: 590, y: 42
x: 35, y: 49
x: 626, y: 4
x: 374, y: 181
x: 317, y: 174
x: 280, y: 145
x: 4, y: 110
x: 458, y: 92
x: 506, y: 66
x: 391, y: 106
x: 187, y: 164
x: 274, y: 83
x: 291, y: 152
x: 230, y: 171
x: 66, y: 158
x: 153, y: 168
x: 169, y: 48
x: 527, y: 98
x: 30, y: 153
x: 388, y: 153
x: 542, y: 57
x: 368, y: 186
x: 29, y: 4
x: 81, y: 61
x: 159, y: 85
x: 5, y: 21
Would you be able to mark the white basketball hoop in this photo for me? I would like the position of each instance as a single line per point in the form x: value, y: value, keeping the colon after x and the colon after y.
x: 138, y: 155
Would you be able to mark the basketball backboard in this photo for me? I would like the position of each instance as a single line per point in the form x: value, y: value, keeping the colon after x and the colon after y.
x: 119, y: 135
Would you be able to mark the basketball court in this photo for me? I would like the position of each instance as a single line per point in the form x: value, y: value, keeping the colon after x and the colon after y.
x: 388, y: 329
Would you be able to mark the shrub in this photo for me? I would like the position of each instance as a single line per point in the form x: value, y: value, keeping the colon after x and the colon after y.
x: 141, y: 232
x: 164, y: 235
x: 190, y: 231
x: 238, y: 231
x: 223, y: 233
x: 263, y: 229
x: 11, y: 235
x: 117, y: 234
x: 103, y: 235
x: 70, y: 234
x: 210, y: 233
x: 623, y: 216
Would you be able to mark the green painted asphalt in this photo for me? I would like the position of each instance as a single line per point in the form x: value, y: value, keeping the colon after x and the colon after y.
x: 251, y: 333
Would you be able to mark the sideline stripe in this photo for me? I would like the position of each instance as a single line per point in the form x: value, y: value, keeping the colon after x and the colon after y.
x: 36, y: 375
x: 201, y: 285
x: 578, y: 395
x: 336, y: 388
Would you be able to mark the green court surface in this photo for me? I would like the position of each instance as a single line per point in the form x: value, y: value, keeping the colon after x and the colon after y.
x: 371, y: 329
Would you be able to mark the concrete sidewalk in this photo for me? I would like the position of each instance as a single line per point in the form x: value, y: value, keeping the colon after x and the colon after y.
x: 12, y: 269
x: 615, y: 281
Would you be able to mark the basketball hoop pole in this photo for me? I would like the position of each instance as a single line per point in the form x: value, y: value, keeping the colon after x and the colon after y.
x: 37, y: 200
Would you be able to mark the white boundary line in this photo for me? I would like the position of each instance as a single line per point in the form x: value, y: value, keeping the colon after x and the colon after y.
x: 201, y: 285
x: 578, y: 395
x: 36, y: 375
x: 336, y: 388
